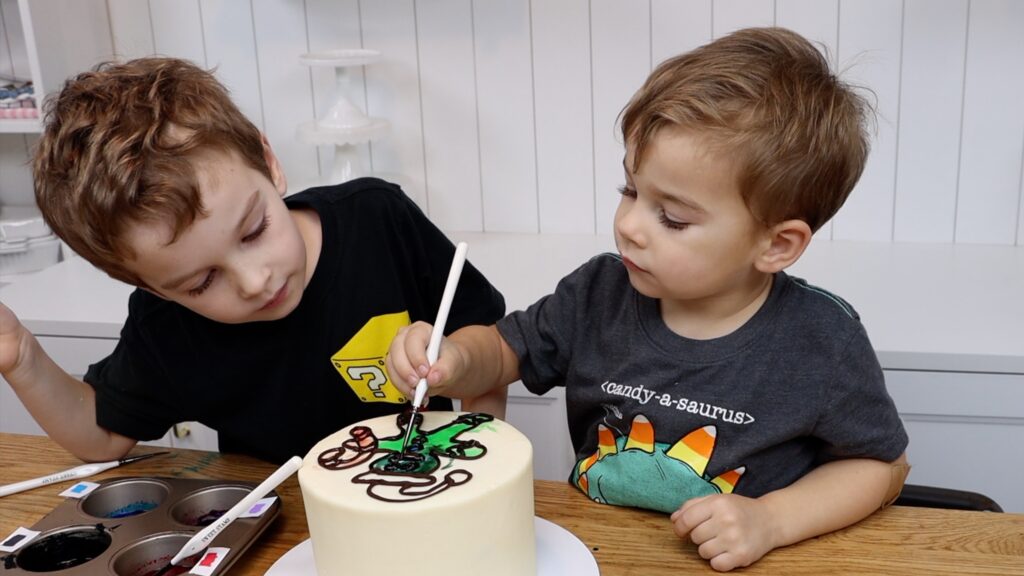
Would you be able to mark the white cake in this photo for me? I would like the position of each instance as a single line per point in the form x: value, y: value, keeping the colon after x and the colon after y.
x: 459, y: 502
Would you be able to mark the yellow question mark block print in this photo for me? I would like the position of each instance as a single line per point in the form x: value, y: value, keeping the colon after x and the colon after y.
x: 361, y: 360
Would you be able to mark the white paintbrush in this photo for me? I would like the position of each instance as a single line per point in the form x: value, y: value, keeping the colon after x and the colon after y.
x: 202, y: 539
x: 72, y: 473
x: 437, y: 333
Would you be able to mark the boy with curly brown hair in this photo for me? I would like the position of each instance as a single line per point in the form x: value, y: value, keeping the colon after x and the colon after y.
x: 266, y: 318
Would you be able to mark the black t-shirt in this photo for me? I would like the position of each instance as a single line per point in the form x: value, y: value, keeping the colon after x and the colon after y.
x: 273, y: 389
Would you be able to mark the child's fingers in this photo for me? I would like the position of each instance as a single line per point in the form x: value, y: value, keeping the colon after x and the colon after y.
x: 412, y: 342
x: 416, y: 341
x: 400, y: 366
x: 679, y: 525
x: 691, y: 514
x: 712, y: 548
x: 8, y: 321
x: 703, y: 533
x: 687, y: 505
x: 398, y: 369
x: 726, y: 561
x: 444, y: 367
x: 10, y: 341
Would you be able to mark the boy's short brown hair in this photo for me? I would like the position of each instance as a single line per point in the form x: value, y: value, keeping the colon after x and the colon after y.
x: 765, y: 97
x: 118, y: 148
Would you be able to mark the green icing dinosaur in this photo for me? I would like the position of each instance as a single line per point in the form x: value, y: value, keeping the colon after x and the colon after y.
x: 426, y: 447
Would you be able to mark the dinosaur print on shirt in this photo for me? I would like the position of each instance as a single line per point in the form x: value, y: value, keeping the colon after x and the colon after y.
x: 634, y: 470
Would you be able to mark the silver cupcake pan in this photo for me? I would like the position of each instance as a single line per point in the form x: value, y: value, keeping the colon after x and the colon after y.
x: 134, y: 526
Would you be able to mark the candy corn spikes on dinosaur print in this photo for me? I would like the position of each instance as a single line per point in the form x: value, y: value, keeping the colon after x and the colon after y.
x: 635, y: 470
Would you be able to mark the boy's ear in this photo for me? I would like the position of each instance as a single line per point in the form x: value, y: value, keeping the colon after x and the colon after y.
x: 276, y: 172
x: 785, y: 243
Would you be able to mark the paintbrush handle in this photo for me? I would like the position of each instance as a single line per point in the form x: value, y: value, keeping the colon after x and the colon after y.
x: 458, y: 261
x: 69, y: 474
x: 437, y: 332
x: 202, y: 539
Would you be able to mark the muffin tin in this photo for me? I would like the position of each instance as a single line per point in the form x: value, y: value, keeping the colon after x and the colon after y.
x: 133, y: 526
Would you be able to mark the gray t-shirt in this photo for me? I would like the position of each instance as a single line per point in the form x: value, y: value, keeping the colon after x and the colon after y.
x: 657, y: 418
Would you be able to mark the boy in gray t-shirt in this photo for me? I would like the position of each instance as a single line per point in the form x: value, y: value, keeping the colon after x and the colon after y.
x: 701, y: 379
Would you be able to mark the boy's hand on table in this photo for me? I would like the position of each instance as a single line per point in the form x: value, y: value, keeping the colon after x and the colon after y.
x: 731, y: 531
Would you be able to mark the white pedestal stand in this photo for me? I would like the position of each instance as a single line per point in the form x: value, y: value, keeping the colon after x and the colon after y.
x: 344, y: 126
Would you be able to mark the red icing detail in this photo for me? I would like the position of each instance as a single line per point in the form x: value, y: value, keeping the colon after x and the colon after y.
x: 209, y: 559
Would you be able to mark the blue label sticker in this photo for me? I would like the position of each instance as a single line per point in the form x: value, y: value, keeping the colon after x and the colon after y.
x: 80, y: 490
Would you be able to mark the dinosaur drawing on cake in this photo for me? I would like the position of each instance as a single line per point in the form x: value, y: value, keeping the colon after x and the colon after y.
x: 407, y: 475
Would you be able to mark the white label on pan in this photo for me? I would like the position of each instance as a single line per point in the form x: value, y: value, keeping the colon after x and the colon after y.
x: 83, y: 488
x: 209, y: 561
x: 258, y: 507
x: 17, y: 539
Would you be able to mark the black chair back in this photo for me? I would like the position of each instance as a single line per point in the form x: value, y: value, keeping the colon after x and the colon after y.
x: 933, y: 497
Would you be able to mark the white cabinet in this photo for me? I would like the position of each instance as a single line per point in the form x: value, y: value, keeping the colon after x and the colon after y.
x: 76, y: 313
x: 193, y: 435
x: 966, y: 431
x: 543, y: 420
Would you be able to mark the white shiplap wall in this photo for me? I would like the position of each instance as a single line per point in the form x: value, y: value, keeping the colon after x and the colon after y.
x: 503, y: 111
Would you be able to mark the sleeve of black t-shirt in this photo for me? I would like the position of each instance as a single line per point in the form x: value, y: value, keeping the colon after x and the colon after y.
x: 129, y: 382
x: 860, y: 419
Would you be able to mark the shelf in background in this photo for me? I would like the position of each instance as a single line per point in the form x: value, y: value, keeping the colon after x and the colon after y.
x: 21, y: 126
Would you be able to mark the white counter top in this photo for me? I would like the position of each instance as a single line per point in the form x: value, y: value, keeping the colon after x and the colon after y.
x: 925, y: 306
x: 69, y: 299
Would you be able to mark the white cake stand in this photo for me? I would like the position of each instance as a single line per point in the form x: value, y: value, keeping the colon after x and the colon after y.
x: 344, y: 126
x: 559, y: 553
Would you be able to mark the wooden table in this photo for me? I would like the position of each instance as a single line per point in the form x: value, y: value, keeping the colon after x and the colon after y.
x: 898, y: 540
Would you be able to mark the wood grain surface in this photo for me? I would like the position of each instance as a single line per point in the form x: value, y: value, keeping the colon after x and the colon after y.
x: 624, y: 541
